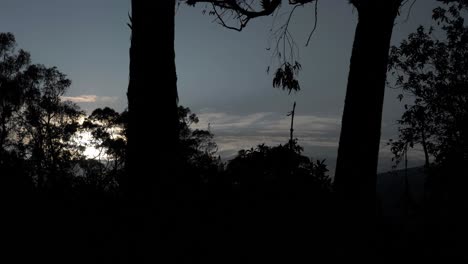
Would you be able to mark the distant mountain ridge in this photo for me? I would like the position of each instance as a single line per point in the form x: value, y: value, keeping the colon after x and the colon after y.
x: 397, y: 195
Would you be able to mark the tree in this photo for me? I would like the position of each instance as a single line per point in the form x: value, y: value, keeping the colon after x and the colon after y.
x: 13, y: 64
x: 152, y: 97
x: 280, y: 172
x: 48, y: 127
x: 196, y: 152
x: 282, y: 196
x: 107, y: 129
x: 432, y: 73
x: 12, y: 67
x: 152, y: 125
x: 36, y: 127
x: 430, y: 67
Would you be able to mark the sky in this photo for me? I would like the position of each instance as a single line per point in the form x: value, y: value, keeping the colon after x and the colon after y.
x: 221, y: 73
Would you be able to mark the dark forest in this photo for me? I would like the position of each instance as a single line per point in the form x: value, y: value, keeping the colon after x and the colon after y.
x: 154, y: 188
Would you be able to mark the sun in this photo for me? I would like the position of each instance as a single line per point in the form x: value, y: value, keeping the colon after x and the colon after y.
x: 85, y: 139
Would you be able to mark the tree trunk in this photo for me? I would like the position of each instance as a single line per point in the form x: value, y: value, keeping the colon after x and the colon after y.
x: 152, y: 133
x: 152, y: 102
x: 356, y: 169
x: 424, y: 145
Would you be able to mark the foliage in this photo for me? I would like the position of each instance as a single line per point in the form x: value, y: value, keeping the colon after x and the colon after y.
x: 432, y: 72
x: 285, y: 77
x: 13, y: 65
x: 107, y: 130
x: 197, y: 148
x: 280, y: 171
x: 48, y: 126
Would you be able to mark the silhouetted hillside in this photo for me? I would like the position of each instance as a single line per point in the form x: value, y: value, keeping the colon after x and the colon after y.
x: 398, y: 195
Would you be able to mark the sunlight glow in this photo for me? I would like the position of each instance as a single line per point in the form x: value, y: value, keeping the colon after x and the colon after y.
x: 85, y: 139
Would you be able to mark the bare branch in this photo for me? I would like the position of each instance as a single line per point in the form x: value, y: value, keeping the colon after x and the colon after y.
x: 409, y: 10
x: 222, y: 23
x: 315, y: 23
x: 267, y: 7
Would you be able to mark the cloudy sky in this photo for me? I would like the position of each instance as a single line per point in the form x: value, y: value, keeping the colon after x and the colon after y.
x: 221, y: 73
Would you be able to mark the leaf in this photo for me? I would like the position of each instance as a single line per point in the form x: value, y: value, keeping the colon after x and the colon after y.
x: 285, y: 77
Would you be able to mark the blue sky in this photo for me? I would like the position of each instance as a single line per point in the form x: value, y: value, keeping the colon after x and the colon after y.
x: 221, y: 73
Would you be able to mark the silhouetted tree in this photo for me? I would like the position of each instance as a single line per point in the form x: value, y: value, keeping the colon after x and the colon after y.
x: 12, y: 66
x: 152, y: 101
x: 195, y: 156
x: 48, y: 127
x: 108, y: 137
x: 432, y: 72
x: 430, y: 67
x: 197, y: 149
x: 282, y: 196
x: 37, y: 129
x: 460, y: 3
x: 278, y: 172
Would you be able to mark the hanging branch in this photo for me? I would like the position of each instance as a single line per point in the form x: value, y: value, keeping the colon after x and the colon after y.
x: 315, y: 22
x: 236, y: 14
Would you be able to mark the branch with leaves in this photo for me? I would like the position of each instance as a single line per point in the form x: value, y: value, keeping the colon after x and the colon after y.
x: 236, y: 14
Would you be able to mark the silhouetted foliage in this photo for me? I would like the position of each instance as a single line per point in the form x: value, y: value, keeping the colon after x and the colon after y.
x: 107, y: 130
x: 432, y: 72
x: 430, y: 67
x: 236, y: 15
x: 285, y: 77
x: 280, y: 195
x: 38, y: 129
x: 13, y: 65
x: 48, y: 127
x: 459, y: 4
x: 197, y: 149
x: 279, y: 172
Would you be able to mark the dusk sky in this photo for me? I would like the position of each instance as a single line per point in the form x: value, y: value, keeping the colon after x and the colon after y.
x: 221, y: 73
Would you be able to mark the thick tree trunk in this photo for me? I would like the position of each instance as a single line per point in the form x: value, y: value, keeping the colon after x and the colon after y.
x: 152, y: 133
x: 356, y: 169
x: 152, y: 102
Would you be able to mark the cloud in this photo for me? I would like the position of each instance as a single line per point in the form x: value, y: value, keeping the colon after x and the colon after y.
x: 267, y: 123
x: 317, y: 134
x: 107, y: 99
x: 90, y: 99
x: 80, y: 99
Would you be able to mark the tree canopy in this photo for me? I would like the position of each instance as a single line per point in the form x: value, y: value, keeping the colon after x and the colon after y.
x: 431, y: 71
